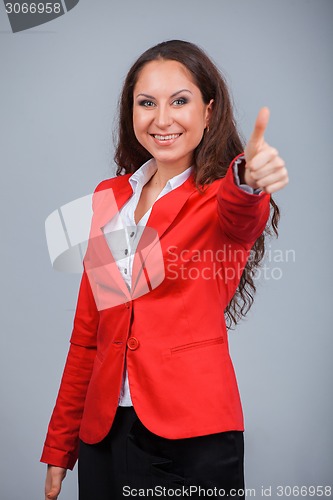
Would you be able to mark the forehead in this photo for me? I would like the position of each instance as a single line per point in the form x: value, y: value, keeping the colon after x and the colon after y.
x: 164, y: 76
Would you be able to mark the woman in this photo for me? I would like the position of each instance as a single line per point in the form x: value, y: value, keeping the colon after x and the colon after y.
x: 148, y: 397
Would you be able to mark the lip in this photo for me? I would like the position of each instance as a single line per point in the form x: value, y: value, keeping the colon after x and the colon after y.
x: 166, y: 142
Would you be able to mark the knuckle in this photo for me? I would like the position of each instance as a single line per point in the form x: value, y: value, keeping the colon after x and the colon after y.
x: 270, y: 151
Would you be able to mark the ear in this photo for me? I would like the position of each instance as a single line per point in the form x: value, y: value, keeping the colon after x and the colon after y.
x: 209, y: 110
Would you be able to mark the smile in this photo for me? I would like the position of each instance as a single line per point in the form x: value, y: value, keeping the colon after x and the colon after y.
x: 165, y: 137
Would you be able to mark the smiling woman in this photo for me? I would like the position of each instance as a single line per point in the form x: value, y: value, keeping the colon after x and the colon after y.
x: 149, y: 399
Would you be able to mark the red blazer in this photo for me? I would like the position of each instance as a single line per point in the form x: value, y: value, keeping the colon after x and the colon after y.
x: 171, y: 328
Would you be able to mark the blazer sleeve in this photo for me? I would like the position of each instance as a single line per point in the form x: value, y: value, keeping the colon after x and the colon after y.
x: 62, y: 439
x: 242, y: 215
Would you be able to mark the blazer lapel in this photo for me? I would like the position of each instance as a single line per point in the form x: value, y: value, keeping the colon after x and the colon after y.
x: 166, y: 209
x: 108, y: 202
x: 107, y: 283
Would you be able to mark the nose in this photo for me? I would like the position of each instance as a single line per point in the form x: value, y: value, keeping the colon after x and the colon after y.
x: 163, y: 117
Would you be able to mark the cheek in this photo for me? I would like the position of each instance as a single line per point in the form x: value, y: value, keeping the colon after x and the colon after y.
x: 140, y: 127
x: 197, y: 125
x: 194, y: 120
x: 140, y: 122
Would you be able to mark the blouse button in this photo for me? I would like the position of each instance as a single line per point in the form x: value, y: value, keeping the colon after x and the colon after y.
x: 132, y: 234
x: 126, y: 251
x: 132, y: 343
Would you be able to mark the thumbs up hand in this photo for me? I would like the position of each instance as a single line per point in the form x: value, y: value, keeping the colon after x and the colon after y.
x: 264, y: 168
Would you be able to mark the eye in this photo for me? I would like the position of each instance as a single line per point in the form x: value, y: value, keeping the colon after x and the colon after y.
x: 180, y: 101
x: 146, y: 103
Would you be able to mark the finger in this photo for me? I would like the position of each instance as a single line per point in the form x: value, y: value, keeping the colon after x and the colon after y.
x: 55, y: 489
x: 275, y: 165
x: 277, y: 176
x: 53, y: 494
x: 272, y: 188
x: 260, y: 126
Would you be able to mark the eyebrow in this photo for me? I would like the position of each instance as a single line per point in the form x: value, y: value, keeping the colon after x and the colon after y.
x: 173, y: 95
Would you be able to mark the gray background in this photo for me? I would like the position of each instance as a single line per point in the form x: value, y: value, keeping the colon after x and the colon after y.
x: 59, y: 89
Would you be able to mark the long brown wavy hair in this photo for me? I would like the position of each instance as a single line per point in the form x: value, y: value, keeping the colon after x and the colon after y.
x: 211, y: 157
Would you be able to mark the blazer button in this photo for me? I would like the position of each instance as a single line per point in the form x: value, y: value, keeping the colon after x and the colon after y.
x: 132, y: 343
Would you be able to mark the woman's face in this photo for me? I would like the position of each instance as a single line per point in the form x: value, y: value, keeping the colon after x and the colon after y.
x: 169, y: 115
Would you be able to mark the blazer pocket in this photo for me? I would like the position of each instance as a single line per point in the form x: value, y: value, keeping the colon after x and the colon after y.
x: 196, y: 345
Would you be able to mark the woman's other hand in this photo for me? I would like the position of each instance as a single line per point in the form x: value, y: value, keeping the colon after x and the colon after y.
x: 264, y: 168
x: 54, y: 477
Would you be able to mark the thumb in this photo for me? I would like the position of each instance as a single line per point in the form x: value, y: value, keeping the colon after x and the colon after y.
x: 257, y: 136
x: 55, y: 490
x: 54, y: 486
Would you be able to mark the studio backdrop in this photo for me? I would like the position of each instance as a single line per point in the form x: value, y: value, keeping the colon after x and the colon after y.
x: 61, y: 75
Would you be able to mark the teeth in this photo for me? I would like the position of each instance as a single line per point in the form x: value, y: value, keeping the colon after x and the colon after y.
x: 166, y: 137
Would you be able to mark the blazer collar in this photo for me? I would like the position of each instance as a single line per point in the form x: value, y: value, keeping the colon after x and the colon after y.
x: 118, y: 191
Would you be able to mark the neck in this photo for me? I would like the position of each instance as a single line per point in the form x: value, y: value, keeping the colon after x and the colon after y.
x: 163, y: 174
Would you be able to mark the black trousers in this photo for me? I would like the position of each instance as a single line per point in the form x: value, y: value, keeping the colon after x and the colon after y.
x: 132, y: 461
